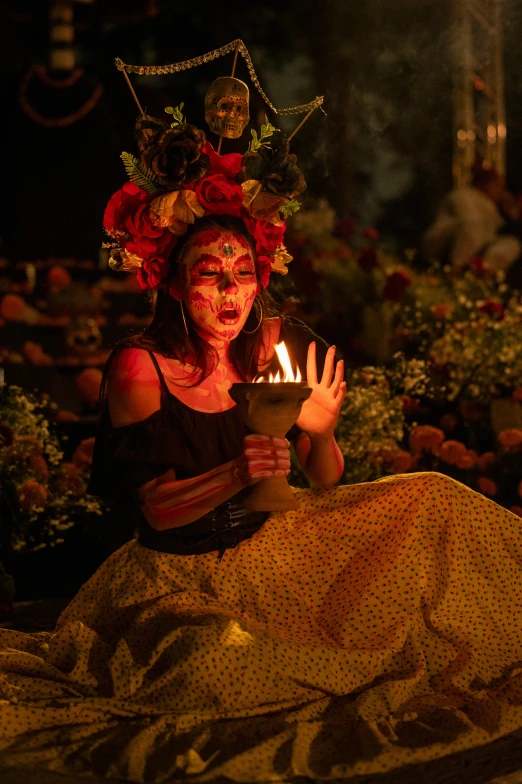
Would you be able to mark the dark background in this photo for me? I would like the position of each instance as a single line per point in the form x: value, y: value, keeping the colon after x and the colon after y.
x: 382, y: 154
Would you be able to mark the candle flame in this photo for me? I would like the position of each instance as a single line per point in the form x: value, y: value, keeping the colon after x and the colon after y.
x: 288, y: 373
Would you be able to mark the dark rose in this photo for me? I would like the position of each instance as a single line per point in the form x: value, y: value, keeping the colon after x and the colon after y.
x: 127, y: 220
x: 267, y: 236
x: 367, y: 259
x: 122, y: 205
x: 174, y: 155
x: 479, y: 267
x: 219, y: 195
x: 264, y: 268
x: 229, y: 164
x: 152, y: 273
x: 344, y: 229
x: 275, y: 167
x: 492, y: 309
x: 146, y: 247
x: 396, y: 284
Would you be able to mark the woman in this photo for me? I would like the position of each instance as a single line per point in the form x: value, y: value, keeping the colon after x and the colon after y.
x: 377, y: 625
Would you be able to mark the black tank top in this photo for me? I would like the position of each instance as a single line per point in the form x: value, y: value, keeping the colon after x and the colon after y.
x: 191, y: 442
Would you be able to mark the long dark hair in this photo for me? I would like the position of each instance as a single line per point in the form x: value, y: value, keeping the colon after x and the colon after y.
x: 166, y: 333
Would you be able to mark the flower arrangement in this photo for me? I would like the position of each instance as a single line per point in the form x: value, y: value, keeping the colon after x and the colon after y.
x: 41, y: 495
x: 180, y: 178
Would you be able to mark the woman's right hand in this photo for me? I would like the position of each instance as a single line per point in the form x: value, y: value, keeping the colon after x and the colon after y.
x: 262, y: 456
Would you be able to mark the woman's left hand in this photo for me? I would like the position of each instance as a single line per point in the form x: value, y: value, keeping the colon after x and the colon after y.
x: 320, y: 412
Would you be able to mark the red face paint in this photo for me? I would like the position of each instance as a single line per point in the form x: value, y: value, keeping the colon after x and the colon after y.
x: 220, y: 287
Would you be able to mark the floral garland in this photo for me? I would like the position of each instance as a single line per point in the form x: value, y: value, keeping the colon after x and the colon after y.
x: 179, y: 177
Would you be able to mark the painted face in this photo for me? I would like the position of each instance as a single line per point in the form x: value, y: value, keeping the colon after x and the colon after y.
x: 220, y: 285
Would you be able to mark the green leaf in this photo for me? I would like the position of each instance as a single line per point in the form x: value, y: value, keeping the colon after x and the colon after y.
x: 290, y: 208
x: 267, y: 130
x: 177, y: 114
x: 138, y: 173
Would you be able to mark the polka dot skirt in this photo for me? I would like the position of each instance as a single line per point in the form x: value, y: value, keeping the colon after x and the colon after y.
x: 378, y: 625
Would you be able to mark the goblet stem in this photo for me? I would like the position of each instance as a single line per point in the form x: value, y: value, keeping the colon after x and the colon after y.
x: 270, y: 409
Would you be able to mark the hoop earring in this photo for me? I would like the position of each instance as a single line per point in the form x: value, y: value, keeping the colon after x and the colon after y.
x: 260, y: 306
x: 183, y: 316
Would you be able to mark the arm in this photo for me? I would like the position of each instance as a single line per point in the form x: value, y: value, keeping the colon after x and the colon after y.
x: 168, y: 502
x: 317, y: 451
x: 135, y: 394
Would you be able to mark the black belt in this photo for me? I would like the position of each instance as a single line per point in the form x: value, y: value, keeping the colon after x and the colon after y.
x: 224, y: 528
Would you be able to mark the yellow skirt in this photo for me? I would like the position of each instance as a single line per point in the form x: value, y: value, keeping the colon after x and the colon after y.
x: 378, y: 625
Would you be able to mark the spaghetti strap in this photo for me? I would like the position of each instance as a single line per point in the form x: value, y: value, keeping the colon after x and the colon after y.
x: 163, y: 383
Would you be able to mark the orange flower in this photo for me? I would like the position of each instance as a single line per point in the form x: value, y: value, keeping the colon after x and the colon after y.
x: 442, y: 310
x: 510, y: 438
x: 451, y: 451
x: 31, y: 493
x: 82, y: 456
x: 70, y: 483
x: 448, y: 422
x: 402, y: 463
x: 485, y: 460
x: 88, y: 384
x: 58, y: 278
x: 38, y: 466
x: 425, y: 437
x: 468, y: 460
x: 516, y: 510
x: 12, y: 307
x: 487, y: 486
x: 517, y: 394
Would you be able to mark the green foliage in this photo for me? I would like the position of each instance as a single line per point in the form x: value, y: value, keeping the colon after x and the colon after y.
x: 139, y: 173
x: 290, y: 208
x: 267, y: 130
x: 177, y: 115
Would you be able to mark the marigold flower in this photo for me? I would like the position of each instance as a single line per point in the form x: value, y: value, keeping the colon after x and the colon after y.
x: 451, y: 451
x: 510, y: 438
x: 58, y: 278
x: 12, y: 307
x: 516, y: 510
x: 70, y: 484
x: 467, y: 461
x: 485, y: 460
x: 38, y: 466
x: 82, y: 456
x: 31, y: 493
x: 442, y: 311
x: 425, y: 437
x: 402, y: 462
x: 487, y: 486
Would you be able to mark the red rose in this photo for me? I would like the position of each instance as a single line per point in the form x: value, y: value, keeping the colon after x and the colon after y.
x: 344, y: 229
x: 219, y: 195
x: 229, y: 165
x: 264, y: 268
x: 367, y: 259
x: 492, y: 309
x: 267, y: 236
x: 396, y: 284
x: 127, y: 220
x: 152, y: 273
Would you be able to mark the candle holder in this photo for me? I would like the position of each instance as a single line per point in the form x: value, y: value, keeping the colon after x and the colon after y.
x: 270, y: 409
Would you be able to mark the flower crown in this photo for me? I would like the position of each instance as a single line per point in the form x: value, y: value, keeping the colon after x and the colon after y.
x: 179, y: 177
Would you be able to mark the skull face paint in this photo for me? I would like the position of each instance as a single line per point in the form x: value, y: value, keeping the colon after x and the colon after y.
x: 226, y: 107
x: 219, y: 286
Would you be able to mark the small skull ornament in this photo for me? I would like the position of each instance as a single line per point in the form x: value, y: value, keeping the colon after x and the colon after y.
x: 226, y: 107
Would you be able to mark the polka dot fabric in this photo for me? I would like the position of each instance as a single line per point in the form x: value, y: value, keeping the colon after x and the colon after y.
x: 378, y: 625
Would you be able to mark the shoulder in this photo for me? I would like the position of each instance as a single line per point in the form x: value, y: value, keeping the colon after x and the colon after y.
x: 134, y: 388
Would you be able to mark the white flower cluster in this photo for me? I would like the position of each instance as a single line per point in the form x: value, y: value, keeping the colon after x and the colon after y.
x: 371, y: 421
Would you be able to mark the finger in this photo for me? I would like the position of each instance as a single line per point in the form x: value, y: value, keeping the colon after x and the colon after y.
x: 341, y: 394
x: 338, y: 378
x: 281, y: 442
x: 311, y: 365
x: 326, y: 378
x: 255, y: 438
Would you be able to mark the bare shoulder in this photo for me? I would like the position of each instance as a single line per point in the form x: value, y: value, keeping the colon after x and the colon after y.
x: 134, y: 387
